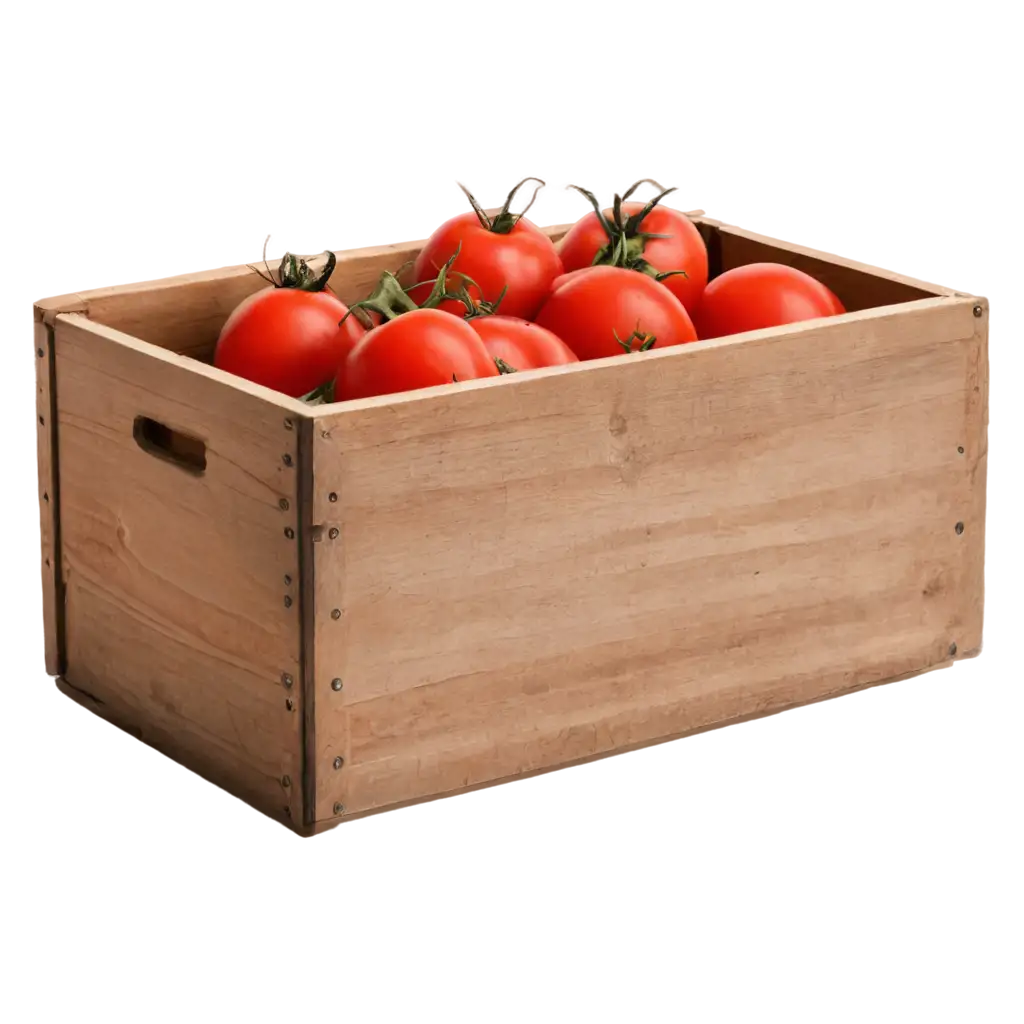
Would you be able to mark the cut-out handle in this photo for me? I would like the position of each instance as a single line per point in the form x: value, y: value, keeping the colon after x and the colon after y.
x: 155, y: 438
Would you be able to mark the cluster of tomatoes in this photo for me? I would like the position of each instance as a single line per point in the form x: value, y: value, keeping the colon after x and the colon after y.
x: 493, y: 294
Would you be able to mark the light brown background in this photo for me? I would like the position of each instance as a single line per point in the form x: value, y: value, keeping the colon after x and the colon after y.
x: 151, y: 140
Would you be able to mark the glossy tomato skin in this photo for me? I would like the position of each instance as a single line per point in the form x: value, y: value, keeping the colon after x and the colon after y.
x: 683, y: 250
x: 286, y: 339
x: 524, y: 259
x: 521, y: 344
x: 588, y: 308
x: 762, y: 295
x: 419, y: 349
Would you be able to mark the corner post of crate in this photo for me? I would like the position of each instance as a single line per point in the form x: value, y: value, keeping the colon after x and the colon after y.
x: 306, y: 427
x: 47, y: 453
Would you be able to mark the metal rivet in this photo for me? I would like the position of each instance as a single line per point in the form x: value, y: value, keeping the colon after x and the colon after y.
x: 40, y: 353
x: 287, y: 601
x: 961, y: 449
x: 339, y: 808
x: 287, y: 581
x: 287, y: 680
x: 290, y: 704
x: 333, y: 533
x: 335, y: 684
x: 952, y: 650
x: 978, y: 311
x: 959, y: 528
x: 286, y: 459
x: 333, y: 496
x: 283, y: 505
x: 286, y: 781
x: 289, y: 532
x: 288, y: 424
x: 335, y: 613
x: 338, y: 762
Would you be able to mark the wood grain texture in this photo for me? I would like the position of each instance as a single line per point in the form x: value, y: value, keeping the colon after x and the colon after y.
x: 858, y: 285
x: 176, y: 584
x: 539, y: 570
x: 184, y: 314
x: 49, y: 499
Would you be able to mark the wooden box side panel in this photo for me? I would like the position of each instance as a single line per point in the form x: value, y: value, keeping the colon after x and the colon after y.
x: 184, y: 313
x: 858, y: 285
x: 182, y: 609
x: 521, y: 574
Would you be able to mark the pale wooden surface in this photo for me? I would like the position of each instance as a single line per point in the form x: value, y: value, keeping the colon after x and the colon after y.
x: 858, y: 285
x: 175, y: 613
x: 185, y: 314
x: 49, y: 497
x: 592, y: 558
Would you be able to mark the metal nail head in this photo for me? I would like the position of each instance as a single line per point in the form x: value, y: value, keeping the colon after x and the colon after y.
x: 287, y: 680
x: 979, y: 311
x: 333, y: 533
x: 959, y: 528
x: 286, y: 459
x: 289, y: 532
x: 335, y: 613
x: 283, y: 505
x: 339, y: 808
x: 335, y: 684
x: 287, y: 581
x: 287, y: 601
x: 286, y: 781
x: 952, y: 650
x: 288, y: 424
x: 290, y: 704
x: 338, y: 762
x: 333, y: 496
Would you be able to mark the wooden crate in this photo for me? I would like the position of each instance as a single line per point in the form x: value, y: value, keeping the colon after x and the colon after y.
x: 335, y: 610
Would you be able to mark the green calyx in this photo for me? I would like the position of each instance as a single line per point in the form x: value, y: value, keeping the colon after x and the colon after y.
x: 503, y: 221
x: 323, y: 395
x: 296, y: 272
x: 390, y: 300
x: 626, y: 242
x: 646, y: 341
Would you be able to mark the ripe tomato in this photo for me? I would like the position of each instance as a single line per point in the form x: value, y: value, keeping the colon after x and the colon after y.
x: 521, y: 344
x: 604, y: 311
x: 287, y: 337
x: 418, y: 349
x: 624, y: 237
x: 762, y: 295
x: 505, y: 258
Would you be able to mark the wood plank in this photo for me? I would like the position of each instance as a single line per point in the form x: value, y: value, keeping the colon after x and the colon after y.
x: 184, y: 314
x: 858, y: 285
x: 182, y: 587
x: 49, y: 500
x: 564, y: 563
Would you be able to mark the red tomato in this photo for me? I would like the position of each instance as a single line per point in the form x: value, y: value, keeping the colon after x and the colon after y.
x: 521, y: 344
x: 604, y: 311
x: 617, y: 239
x: 286, y: 339
x: 496, y: 253
x: 416, y: 350
x: 762, y: 295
